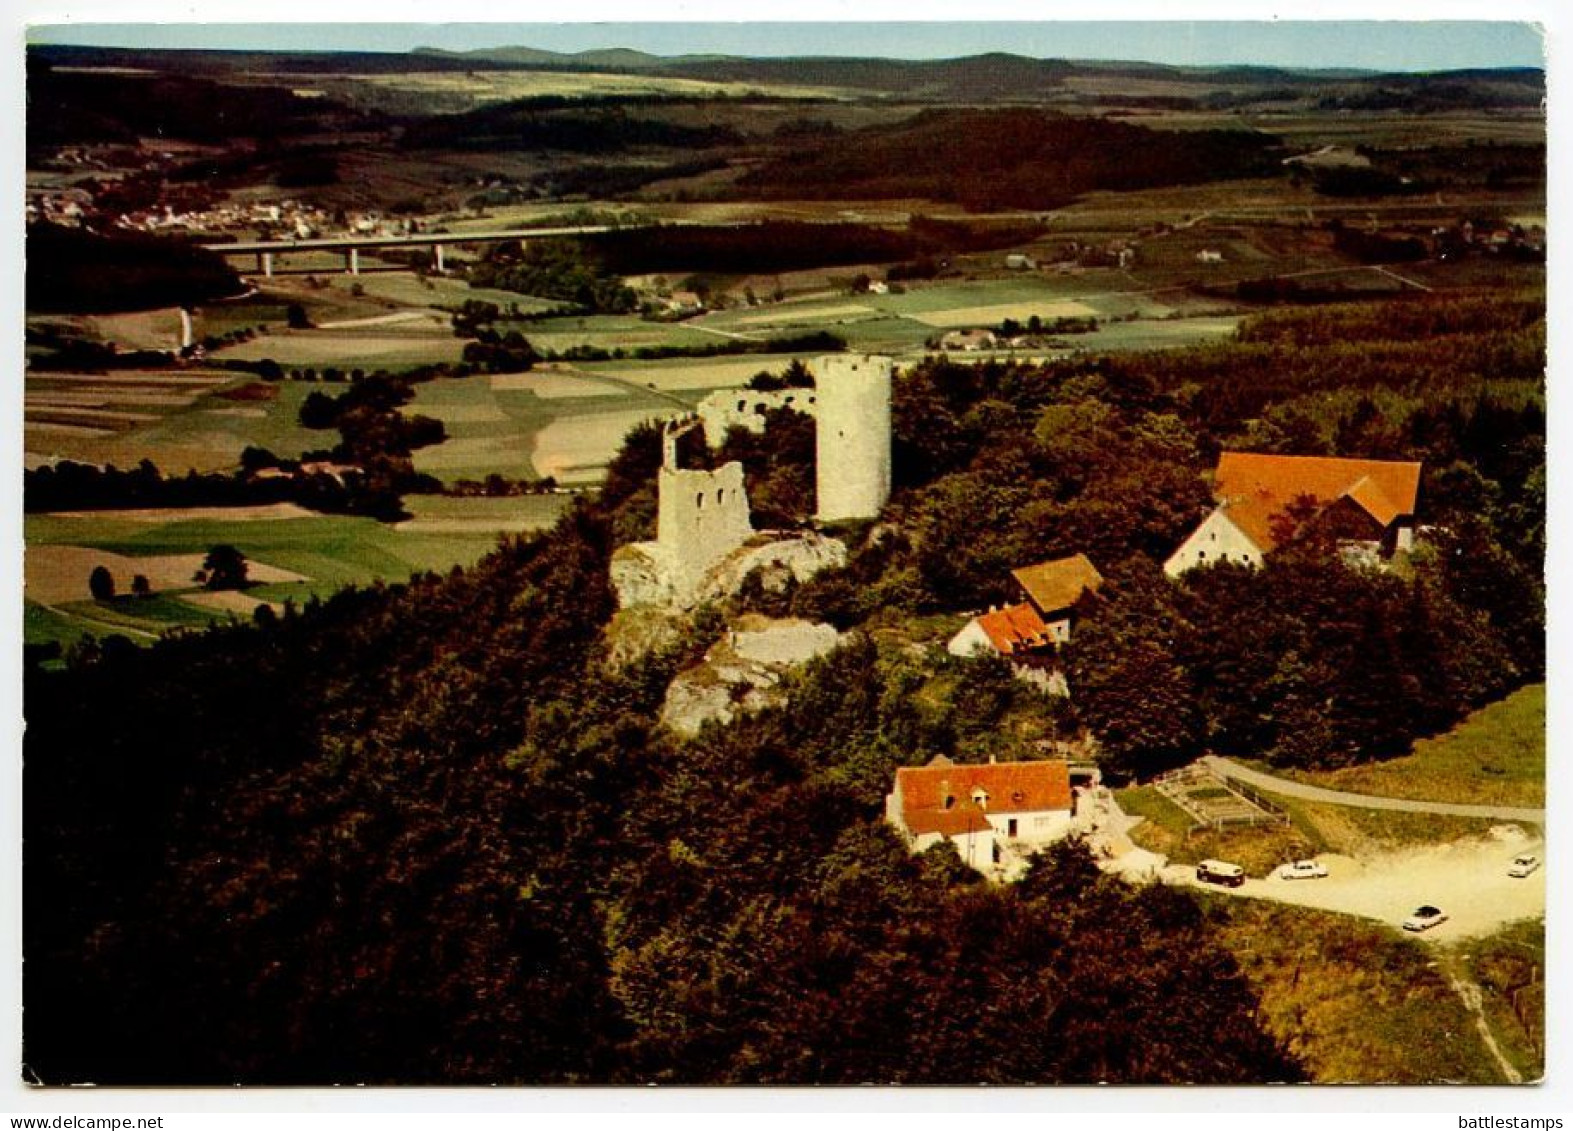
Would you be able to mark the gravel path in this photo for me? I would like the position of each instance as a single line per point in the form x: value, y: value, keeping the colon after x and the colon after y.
x: 1223, y: 767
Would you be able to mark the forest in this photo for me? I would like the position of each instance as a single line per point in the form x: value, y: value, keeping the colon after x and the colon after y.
x: 433, y: 833
x: 1009, y: 158
x: 71, y: 269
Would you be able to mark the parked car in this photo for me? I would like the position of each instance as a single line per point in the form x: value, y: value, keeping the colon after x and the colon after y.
x: 1523, y: 865
x: 1220, y: 872
x: 1424, y: 918
x: 1302, y: 870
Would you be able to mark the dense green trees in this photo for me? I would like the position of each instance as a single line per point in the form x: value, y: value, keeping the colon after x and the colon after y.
x: 1016, y: 157
x: 75, y: 270
x: 101, y: 584
x: 554, y: 269
x: 224, y: 567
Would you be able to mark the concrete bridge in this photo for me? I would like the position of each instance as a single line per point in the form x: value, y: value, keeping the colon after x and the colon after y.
x: 267, y: 251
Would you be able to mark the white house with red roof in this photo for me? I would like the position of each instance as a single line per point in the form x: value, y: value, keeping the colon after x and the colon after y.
x: 1265, y: 501
x: 1046, y: 615
x: 996, y: 814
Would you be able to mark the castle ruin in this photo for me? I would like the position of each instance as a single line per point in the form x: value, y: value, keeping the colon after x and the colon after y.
x: 705, y: 545
x: 853, y: 435
x: 745, y: 408
x: 702, y: 517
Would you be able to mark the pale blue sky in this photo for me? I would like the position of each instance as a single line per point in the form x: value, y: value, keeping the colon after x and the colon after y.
x: 1396, y: 46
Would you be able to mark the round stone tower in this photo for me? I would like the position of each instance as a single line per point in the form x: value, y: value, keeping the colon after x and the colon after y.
x: 853, y: 434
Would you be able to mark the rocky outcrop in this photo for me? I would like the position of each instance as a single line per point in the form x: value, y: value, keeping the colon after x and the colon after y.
x: 742, y: 671
x: 644, y: 573
x: 780, y: 558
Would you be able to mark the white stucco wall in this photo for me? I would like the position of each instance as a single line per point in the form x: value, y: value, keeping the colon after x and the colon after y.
x: 976, y: 849
x: 852, y: 465
x: 1034, y: 827
x: 1216, y: 539
x: 970, y: 641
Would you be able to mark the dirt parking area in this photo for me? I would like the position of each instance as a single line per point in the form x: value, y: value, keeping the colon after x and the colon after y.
x: 1467, y: 879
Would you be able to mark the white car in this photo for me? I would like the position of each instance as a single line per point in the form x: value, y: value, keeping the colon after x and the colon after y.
x: 1523, y: 866
x: 1424, y: 918
x: 1303, y: 870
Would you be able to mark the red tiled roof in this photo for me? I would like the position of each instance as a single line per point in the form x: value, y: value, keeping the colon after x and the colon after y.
x: 1014, y: 629
x: 1059, y: 584
x: 1256, y: 488
x: 1012, y: 787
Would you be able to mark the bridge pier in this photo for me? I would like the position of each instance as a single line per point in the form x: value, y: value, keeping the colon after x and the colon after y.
x: 352, y: 260
x: 265, y: 264
x: 437, y: 255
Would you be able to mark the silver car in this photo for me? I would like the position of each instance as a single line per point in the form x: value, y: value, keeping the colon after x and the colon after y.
x: 1424, y: 918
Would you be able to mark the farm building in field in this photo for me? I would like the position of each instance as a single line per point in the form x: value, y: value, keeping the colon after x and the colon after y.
x: 1265, y: 501
x: 968, y: 340
x: 684, y: 303
x: 995, y: 814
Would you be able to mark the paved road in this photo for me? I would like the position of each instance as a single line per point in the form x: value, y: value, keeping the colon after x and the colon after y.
x: 1223, y: 767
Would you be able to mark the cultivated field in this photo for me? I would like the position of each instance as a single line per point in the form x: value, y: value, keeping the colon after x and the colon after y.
x: 569, y: 429
x: 180, y: 419
x: 380, y: 345
x: 292, y: 554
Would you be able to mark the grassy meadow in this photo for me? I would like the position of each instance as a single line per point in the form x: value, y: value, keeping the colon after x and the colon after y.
x: 1496, y: 756
x: 1357, y: 1003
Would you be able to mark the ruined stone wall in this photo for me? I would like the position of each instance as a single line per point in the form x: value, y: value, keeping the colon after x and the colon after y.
x: 744, y: 408
x: 853, y: 435
x: 703, y: 517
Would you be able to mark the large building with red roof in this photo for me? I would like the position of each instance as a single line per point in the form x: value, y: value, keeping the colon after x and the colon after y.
x: 994, y: 814
x: 1265, y: 501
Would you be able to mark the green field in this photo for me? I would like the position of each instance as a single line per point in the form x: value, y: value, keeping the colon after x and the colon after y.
x: 397, y: 345
x: 1497, y: 756
x: 406, y: 289
x: 1313, y: 829
x: 504, y: 428
x: 1134, y: 314
x: 203, y: 427
x: 611, y: 331
x: 1510, y: 969
x: 330, y: 551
